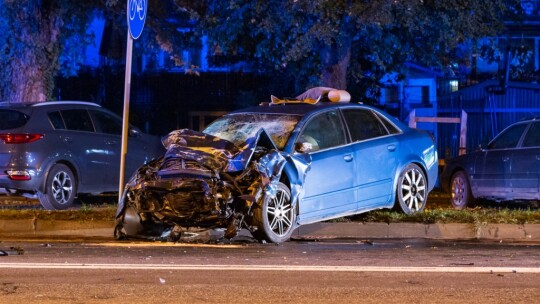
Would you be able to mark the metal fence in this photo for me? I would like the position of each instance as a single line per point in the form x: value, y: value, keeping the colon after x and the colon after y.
x: 490, y: 109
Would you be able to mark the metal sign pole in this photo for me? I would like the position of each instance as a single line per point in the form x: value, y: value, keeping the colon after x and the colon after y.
x: 125, y: 123
x: 136, y: 15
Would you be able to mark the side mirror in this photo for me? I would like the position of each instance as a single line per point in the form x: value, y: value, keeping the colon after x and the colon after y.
x: 134, y: 132
x: 483, y: 147
x: 305, y: 144
x: 305, y: 147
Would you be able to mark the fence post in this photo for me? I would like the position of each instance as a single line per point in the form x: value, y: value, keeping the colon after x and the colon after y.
x: 463, y: 134
x: 413, y: 119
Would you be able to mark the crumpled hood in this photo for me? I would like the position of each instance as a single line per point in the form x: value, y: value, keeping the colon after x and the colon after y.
x: 213, y: 152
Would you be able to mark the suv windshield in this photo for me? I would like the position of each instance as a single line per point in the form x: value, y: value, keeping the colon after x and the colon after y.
x: 10, y: 119
x: 236, y: 128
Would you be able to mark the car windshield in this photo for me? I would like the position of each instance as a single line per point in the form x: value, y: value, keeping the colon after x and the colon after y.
x: 236, y: 128
x: 10, y: 119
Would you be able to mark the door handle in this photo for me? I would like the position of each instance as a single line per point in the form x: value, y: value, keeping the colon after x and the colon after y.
x: 348, y: 157
x: 67, y: 140
x: 391, y: 148
x: 505, y: 158
x: 110, y: 142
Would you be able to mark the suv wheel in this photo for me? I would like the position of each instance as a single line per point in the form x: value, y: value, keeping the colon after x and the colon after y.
x: 60, y: 189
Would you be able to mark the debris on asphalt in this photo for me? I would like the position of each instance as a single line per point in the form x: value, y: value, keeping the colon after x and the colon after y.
x: 12, y: 251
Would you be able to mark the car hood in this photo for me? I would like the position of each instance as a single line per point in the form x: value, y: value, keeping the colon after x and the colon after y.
x: 217, y: 154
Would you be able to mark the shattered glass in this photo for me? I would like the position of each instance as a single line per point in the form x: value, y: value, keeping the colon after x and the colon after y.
x: 237, y: 128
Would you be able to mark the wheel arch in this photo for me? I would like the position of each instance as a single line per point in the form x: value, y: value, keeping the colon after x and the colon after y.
x: 292, y: 177
x: 398, y: 173
x: 455, y: 170
x: 71, y: 166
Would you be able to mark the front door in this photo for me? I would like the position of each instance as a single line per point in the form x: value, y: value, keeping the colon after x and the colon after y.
x: 328, y: 187
x: 491, y: 177
x: 526, y: 166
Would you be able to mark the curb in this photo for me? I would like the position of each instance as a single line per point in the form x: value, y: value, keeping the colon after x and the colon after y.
x: 499, y: 232
x: 35, y: 228
x: 29, y: 228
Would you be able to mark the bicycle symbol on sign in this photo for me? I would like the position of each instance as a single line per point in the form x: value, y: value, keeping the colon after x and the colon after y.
x: 137, y: 7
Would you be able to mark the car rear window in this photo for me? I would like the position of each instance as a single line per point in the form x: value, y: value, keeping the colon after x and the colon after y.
x: 11, y: 119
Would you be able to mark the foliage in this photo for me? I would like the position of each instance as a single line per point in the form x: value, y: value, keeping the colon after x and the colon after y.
x: 336, y: 43
x: 34, y: 34
x: 42, y: 38
x: 321, y: 42
x: 103, y: 213
x: 475, y: 216
x: 471, y: 216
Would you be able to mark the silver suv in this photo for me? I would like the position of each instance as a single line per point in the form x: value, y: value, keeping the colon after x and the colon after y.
x: 57, y: 150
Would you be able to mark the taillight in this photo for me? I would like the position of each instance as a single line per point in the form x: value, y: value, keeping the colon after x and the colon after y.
x: 20, y: 138
x: 19, y: 175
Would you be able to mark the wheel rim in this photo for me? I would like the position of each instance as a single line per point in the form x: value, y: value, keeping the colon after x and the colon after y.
x: 280, y: 213
x: 62, y: 188
x: 458, y: 191
x: 413, y: 190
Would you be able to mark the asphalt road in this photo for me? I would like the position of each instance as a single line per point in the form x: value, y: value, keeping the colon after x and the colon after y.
x: 329, y: 271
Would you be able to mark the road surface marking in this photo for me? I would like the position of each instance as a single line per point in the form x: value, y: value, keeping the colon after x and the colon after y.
x: 165, y: 244
x: 269, y: 268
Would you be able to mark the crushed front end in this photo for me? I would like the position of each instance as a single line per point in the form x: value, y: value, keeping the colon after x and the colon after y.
x: 201, y: 182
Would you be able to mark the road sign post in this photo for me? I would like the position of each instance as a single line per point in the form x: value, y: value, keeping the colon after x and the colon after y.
x: 136, y: 16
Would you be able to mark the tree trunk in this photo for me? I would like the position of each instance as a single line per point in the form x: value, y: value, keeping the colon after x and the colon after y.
x: 336, y: 62
x: 34, y: 65
x: 336, y: 57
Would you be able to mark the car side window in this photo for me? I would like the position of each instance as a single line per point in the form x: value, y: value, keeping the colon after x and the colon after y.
x: 56, y: 120
x: 323, y: 131
x: 532, y: 139
x: 107, y: 123
x: 77, y: 120
x: 509, y: 138
x: 389, y: 126
x: 363, y: 124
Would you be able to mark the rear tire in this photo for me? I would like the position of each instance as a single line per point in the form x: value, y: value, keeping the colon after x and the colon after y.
x: 275, y: 218
x: 411, y: 196
x: 460, y: 191
x: 60, y: 189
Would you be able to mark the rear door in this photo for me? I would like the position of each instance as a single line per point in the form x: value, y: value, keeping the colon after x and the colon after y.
x: 375, y: 154
x: 85, y: 146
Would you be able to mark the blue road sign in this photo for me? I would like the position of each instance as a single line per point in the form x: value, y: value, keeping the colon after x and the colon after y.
x: 136, y: 14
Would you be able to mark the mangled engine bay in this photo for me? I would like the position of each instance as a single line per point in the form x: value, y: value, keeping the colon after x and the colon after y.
x: 202, y: 181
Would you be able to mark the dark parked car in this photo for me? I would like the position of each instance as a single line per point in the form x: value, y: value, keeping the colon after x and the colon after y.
x: 274, y: 167
x: 57, y: 150
x: 508, y: 169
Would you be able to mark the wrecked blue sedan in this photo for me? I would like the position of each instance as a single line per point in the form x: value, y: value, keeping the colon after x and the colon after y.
x: 272, y: 168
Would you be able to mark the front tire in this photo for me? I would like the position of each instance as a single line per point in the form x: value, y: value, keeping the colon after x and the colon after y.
x: 60, y: 189
x: 411, y: 190
x: 460, y: 191
x: 275, y: 218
